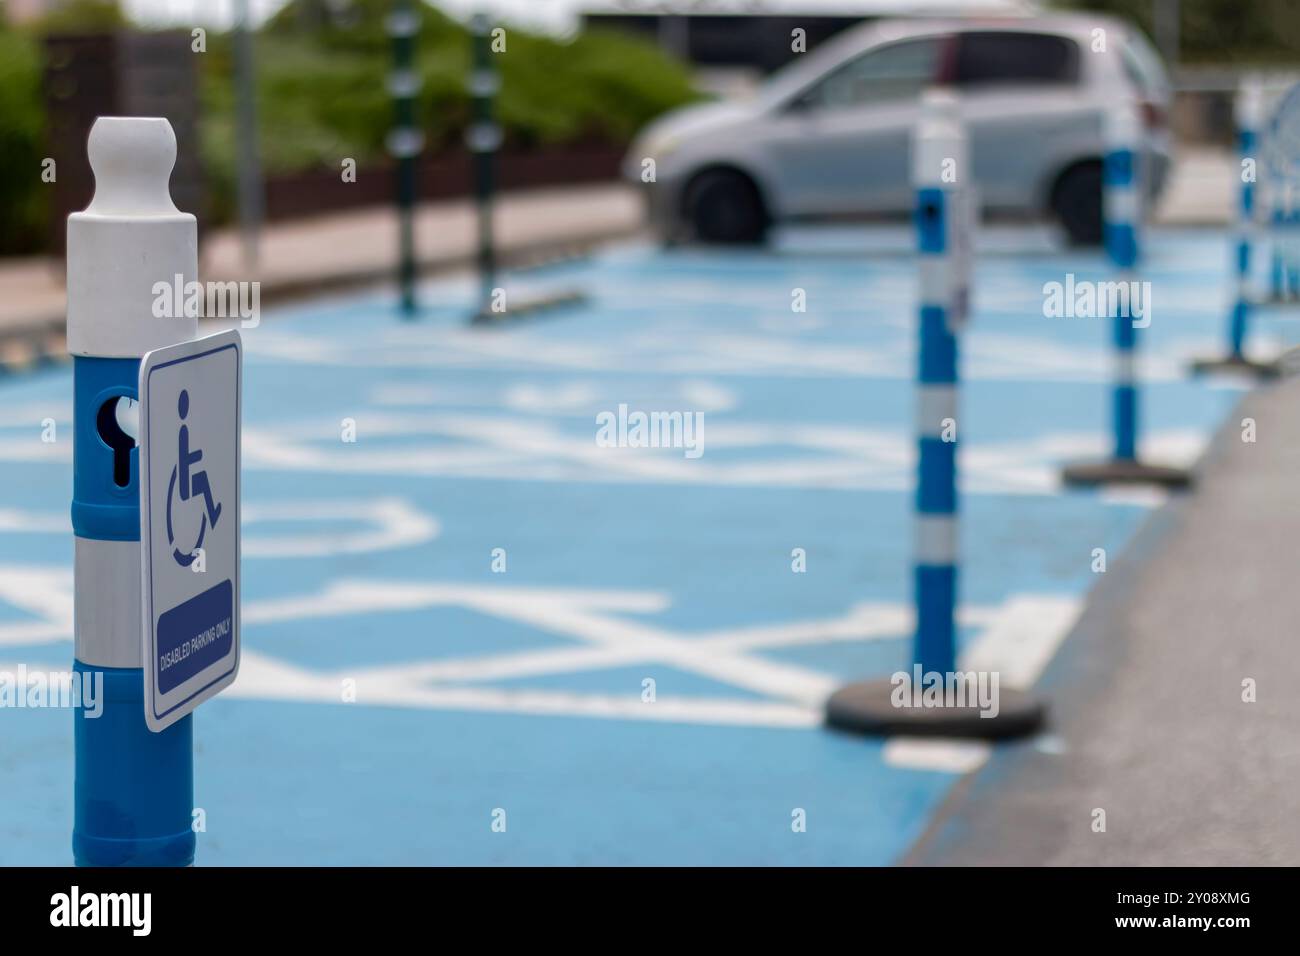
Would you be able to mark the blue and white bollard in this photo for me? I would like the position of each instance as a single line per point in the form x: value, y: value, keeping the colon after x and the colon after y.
x: 1250, y: 116
x: 134, y: 790
x: 1276, y: 191
x: 1281, y: 146
x: 944, y: 217
x: 943, y: 293
x: 1285, y: 243
x: 1285, y: 280
x: 1123, y: 214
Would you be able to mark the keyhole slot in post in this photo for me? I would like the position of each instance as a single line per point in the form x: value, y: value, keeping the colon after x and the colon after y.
x: 108, y: 422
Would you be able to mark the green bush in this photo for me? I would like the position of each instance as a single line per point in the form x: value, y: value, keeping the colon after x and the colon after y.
x: 326, y: 71
x: 82, y: 16
x: 22, y: 118
x: 321, y: 96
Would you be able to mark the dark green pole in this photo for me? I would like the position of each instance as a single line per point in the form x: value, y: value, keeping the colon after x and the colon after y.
x: 484, y: 138
x: 405, y: 140
x: 249, y: 181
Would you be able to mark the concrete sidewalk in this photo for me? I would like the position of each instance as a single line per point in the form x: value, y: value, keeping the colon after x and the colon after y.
x: 1202, y: 190
x: 1146, y: 696
x: 355, y: 247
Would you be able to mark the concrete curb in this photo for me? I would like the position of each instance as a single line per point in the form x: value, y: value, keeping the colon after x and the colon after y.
x: 41, y: 341
x: 1147, y: 721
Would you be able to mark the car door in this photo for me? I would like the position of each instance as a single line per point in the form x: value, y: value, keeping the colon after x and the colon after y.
x: 841, y: 145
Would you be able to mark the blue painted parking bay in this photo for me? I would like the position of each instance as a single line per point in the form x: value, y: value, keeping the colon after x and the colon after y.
x: 474, y: 614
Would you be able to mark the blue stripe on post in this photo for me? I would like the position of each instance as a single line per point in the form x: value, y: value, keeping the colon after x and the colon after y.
x: 1241, y: 308
x: 1119, y: 168
x: 1125, y: 397
x: 936, y: 487
x: 1125, y: 335
x: 931, y: 220
x: 101, y: 511
x: 1237, y: 333
x: 1277, y: 269
x: 133, y: 791
x: 1121, y: 244
x: 1119, y: 172
x: 1125, y: 422
x: 936, y: 637
x: 938, y: 357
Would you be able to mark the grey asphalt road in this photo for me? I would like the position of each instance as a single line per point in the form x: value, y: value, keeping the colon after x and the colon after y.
x: 1148, y: 718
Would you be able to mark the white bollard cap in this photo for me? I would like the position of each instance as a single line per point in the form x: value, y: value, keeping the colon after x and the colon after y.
x: 1122, y: 124
x: 1249, y: 105
x: 939, y: 137
x: 130, y: 238
x: 941, y: 103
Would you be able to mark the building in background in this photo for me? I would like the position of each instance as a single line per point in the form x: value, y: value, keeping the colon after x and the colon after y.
x: 120, y: 73
x: 732, y: 43
x: 25, y: 11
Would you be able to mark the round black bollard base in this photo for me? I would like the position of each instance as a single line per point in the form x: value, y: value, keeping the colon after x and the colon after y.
x: 1271, y: 300
x: 869, y: 708
x: 1122, y: 471
x: 1235, y: 365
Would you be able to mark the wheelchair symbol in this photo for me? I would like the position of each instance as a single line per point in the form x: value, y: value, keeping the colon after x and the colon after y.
x: 191, y: 484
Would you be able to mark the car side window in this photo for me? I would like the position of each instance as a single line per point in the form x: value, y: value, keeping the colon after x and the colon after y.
x: 898, y: 71
x: 992, y: 58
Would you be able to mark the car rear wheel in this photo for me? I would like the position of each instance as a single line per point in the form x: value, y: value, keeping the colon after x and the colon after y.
x: 1076, y: 201
x: 725, y: 207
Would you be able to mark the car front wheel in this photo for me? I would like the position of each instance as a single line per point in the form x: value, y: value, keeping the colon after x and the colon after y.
x: 725, y: 207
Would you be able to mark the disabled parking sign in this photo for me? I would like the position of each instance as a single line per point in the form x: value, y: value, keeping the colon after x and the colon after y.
x: 189, y: 522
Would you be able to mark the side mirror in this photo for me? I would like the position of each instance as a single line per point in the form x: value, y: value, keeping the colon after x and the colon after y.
x: 801, y: 105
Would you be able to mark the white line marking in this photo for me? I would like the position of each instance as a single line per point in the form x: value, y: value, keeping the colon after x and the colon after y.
x: 45, y: 593
x: 396, y: 525
x: 1019, y: 638
x: 1019, y: 644
x: 936, y: 754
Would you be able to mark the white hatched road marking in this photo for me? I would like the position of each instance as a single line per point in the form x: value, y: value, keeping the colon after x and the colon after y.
x: 1017, y: 639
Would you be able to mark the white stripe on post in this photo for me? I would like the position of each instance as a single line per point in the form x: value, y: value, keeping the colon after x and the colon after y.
x: 936, y: 539
x: 934, y: 404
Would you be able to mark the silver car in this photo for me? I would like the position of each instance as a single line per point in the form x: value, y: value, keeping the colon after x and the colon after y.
x: 828, y: 136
